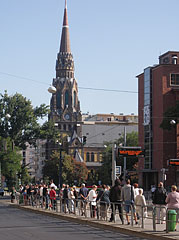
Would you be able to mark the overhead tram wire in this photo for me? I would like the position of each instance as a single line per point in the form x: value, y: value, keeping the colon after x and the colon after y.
x: 84, y: 88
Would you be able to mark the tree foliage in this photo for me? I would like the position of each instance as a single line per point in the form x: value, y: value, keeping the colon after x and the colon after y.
x: 172, y: 113
x: 71, y: 169
x: 19, y: 125
x: 10, y: 162
x: 19, y: 120
x: 106, y: 169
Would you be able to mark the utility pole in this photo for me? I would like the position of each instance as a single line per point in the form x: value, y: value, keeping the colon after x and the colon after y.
x: 113, y: 163
x: 125, y: 165
x: 0, y: 176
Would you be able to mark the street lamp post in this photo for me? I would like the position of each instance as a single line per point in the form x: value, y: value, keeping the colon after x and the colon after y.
x: 60, y: 165
x: 60, y: 169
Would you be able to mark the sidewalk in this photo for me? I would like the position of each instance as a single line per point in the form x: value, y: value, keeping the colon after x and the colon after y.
x: 135, y: 230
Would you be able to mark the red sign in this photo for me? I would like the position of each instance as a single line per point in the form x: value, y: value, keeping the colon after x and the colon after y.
x: 131, y: 151
x: 174, y: 162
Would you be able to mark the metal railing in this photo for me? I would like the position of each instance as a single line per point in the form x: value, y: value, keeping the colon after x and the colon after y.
x: 100, y: 210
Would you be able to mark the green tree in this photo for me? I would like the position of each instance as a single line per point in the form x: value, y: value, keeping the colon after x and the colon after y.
x: 172, y: 113
x: 80, y: 172
x: 19, y: 124
x: 71, y: 169
x: 10, y: 162
x: 106, y: 169
x: 19, y: 120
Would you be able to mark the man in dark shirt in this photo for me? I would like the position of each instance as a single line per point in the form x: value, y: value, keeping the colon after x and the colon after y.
x: 83, y: 193
x: 116, y: 201
x: 159, y: 198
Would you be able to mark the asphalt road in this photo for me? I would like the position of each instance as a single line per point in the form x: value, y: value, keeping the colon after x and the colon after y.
x: 17, y: 224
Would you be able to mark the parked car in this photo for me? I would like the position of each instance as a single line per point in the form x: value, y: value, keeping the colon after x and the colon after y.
x: 1, y: 192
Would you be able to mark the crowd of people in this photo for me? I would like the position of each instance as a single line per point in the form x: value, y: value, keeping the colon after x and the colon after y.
x: 119, y: 197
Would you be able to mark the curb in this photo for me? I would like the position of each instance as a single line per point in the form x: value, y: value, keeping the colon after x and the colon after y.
x: 95, y: 223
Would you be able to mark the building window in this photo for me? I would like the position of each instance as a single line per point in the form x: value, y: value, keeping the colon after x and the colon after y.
x: 74, y: 99
x: 66, y: 97
x: 87, y: 157
x: 174, y: 79
x: 64, y: 127
x: 58, y: 100
x: 92, y: 157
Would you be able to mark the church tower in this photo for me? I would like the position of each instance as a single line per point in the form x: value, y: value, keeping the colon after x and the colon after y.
x: 64, y: 105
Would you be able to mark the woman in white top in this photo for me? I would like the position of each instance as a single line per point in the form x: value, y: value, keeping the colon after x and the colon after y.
x: 140, y: 203
x: 71, y: 198
x: 92, y: 199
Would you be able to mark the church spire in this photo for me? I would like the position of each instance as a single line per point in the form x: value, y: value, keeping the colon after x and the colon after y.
x: 65, y: 37
x: 65, y: 63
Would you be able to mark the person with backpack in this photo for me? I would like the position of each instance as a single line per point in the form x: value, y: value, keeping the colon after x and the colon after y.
x: 103, y: 198
x: 159, y: 199
x: 128, y: 199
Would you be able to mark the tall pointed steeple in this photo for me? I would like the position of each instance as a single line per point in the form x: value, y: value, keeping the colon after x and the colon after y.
x: 65, y: 63
x: 65, y: 38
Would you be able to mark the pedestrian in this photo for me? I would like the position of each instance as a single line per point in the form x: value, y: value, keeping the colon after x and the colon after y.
x: 136, y: 192
x: 140, y: 204
x: 53, y: 197
x: 153, y: 188
x: 92, y: 199
x: 83, y: 193
x: 13, y: 195
x: 45, y: 196
x: 65, y: 198
x: 52, y: 184
x: 71, y: 198
x: 128, y: 199
x: 116, y: 200
x: 159, y: 200
x: 76, y: 196
x: 40, y: 195
x: 103, y: 198
x: 172, y: 200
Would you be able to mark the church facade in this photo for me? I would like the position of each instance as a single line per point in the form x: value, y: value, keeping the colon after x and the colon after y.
x: 65, y: 105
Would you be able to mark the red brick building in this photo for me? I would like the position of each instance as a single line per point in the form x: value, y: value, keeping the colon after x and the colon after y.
x: 158, y: 88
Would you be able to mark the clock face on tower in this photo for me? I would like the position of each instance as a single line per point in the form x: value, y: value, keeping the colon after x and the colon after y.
x: 67, y: 116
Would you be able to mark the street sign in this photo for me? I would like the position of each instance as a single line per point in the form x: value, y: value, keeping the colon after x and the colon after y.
x: 174, y: 162
x: 118, y: 170
x: 131, y: 151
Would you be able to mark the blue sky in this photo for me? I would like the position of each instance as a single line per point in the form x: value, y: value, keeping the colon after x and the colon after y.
x: 112, y: 41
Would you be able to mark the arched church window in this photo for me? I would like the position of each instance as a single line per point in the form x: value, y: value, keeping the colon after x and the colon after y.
x: 58, y: 100
x: 92, y: 157
x: 66, y: 98
x: 87, y: 157
x: 64, y: 127
x: 74, y: 99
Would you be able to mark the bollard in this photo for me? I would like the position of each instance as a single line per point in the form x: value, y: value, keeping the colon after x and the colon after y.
x: 171, y: 220
x: 132, y: 214
x: 142, y: 211
x: 154, y: 218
